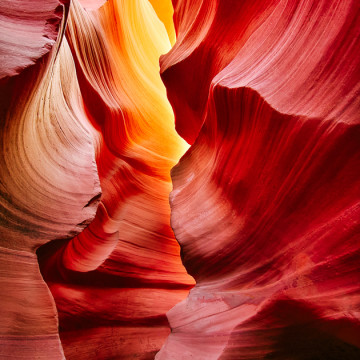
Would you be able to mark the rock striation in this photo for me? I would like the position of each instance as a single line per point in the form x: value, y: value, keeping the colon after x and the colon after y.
x: 253, y: 108
x: 265, y: 202
x: 88, y: 144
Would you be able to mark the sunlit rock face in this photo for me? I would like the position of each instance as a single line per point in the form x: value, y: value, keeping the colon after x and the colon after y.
x: 265, y: 203
x: 88, y: 142
x: 47, y: 170
x: 141, y: 275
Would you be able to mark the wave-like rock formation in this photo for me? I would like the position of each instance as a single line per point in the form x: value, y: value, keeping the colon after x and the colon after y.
x: 265, y: 203
x: 47, y: 170
x: 88, y: 141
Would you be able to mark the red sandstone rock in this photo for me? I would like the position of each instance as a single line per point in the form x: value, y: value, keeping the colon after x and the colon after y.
x: 265, y: 203
x: 72, y: 119
x: 47, y: 170
x: 124, y: 270
x: 28, y: 31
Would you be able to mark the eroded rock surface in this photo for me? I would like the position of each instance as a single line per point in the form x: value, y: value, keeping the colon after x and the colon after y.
x: 265, y: 202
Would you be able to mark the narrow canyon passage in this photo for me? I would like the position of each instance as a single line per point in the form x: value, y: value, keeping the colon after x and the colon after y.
x: 180, y: 179
x: 114, y: 282
x: 98, y: 145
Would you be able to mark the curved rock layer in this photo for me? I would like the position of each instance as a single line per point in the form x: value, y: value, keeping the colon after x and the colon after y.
x: 87, y: 138
x: 29, y: 30
x: 266, y: 202
x: 47, y: 171
x: 119, y: 277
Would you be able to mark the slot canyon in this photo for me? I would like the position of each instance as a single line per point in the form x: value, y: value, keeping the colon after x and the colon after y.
x: 180, y: 179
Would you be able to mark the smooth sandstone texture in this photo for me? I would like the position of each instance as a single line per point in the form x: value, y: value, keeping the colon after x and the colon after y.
x: 124, y: 270
x: 48, y: 175
x: 89, y: 111
x: 28, y: 31
x: 265, y: 202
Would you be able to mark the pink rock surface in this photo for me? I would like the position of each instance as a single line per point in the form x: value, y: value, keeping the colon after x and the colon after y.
x: 265, y: 203
x: 47, y: 170
x: 28, y: 31
x: 83, y: 116
x: 120, y: 276
x: 29, y: 326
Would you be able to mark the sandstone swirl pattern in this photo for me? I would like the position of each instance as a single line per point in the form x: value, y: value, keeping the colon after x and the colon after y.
x: 48, y: 174
x: 265, y: 203
x: 87, y: 138
x: 265, y: 200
